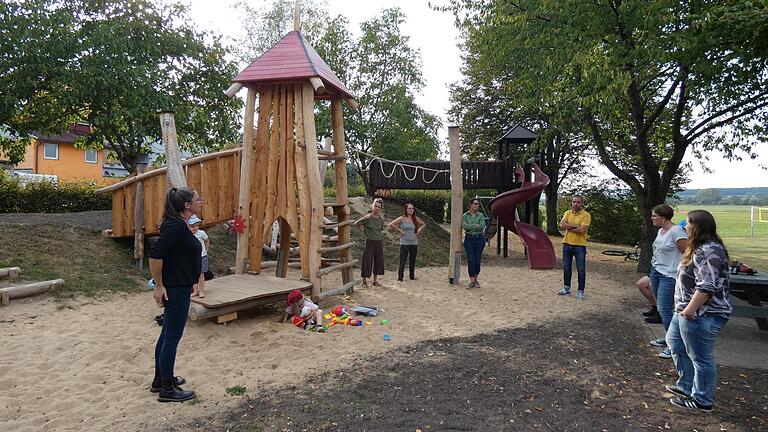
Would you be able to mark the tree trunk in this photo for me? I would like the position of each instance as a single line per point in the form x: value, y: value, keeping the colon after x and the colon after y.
x: 552, y: 216
x: 647, y: 234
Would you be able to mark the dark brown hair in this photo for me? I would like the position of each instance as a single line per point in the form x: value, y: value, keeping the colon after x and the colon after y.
x: 175, y: 199
x: 701, y: 229
x: 664, y: 211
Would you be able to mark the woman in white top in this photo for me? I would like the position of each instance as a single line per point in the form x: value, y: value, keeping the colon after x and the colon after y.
x: 668, y: 248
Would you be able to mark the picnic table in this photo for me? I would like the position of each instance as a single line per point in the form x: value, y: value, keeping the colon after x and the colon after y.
x: 754, y: 290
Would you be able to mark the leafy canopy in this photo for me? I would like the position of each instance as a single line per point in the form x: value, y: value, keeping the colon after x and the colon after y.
x: 113, y: 64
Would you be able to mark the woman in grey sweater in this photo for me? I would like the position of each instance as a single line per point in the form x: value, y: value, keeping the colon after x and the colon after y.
x: 410, y: 226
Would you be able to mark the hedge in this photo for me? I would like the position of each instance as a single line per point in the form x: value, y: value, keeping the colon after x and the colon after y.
x: 616, y: 217
x: 45, y: 197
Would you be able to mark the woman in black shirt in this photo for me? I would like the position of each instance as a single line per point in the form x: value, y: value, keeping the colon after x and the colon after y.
x: 174, y: 261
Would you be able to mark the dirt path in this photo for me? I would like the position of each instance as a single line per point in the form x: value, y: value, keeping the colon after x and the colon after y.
x: 589, y: 373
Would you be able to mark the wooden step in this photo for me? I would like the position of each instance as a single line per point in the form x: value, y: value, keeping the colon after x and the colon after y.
x: 332, y: 158
x: 326, y: 152
x: 338, y: 224
x: 336, y: 248
x: 325, y: 271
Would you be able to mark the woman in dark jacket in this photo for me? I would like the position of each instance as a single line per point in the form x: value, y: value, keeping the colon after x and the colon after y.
x: 174, y: 261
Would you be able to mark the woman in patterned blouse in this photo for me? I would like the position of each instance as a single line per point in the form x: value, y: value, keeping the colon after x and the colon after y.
x: 702, y: 308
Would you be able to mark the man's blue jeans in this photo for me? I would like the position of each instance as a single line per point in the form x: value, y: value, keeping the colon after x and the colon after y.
x: 693, y: 349
x: 176, y: 312
x: 474, y: 245
x: 664, y: 290
x: 580, y: 253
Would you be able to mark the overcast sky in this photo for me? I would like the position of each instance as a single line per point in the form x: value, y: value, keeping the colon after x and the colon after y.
x: 434, y: 35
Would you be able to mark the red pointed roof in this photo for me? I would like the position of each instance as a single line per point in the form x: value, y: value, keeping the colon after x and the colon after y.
x: 290, y: 59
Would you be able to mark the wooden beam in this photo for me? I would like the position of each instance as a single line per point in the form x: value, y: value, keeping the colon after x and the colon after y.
x: 10, y: 272
x: 340, y: 181
x: 337, y: 248
x: 333, y: 158
x: 352, y: 103
x: 347, y: 289
x: 246, y: 170
x: 302, y: 183
x: 296, y: 16
x: 138, y: 220
x: 5, y: 298
x: 337, y: 225
x: 457, y: 204
x: 259, y: 180
x: 315, y: 189
x: 175, y: 176
x: 27, y: 290
x: 284, y: 249
x: 325, y: 271
x: 318, y: 85
x: 233, y: 89
x: 223, y: 319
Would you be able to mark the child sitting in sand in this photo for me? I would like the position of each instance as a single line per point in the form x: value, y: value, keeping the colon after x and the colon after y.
x: 303, y: 308
x: 194, y: 225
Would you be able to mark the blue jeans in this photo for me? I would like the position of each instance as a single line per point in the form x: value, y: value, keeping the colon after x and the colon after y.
x: 664, y: 290
x: 569, y: 252
x: 693, y: 349
x: 176, y: 312
x: 474, y: 245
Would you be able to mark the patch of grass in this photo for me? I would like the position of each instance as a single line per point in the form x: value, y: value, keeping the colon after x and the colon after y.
x: 196, y: 400
x: 733, y: 225
x: 89, y: 263
x: 237, y: 390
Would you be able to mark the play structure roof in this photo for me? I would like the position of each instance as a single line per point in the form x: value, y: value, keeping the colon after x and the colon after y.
x: 292, y: 59
x: 518, y: 134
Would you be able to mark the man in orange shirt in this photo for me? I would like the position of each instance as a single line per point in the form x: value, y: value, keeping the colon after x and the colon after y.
x: 575, y: 223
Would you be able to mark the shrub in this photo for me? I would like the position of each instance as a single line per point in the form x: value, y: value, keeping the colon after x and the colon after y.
x: 431, y: 203
x: 45, y: 197
x: 616, y: 217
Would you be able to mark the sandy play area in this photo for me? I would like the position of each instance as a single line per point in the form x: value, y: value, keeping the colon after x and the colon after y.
x: 86, y: 364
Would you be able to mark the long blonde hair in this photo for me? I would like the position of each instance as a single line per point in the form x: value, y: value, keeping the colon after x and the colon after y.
x: 701, y: 229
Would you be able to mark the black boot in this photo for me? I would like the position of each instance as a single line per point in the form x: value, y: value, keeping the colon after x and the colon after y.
x: 656, y: 319
x: 173, y: 393
x: 651, y: 312
x: 157, y: 383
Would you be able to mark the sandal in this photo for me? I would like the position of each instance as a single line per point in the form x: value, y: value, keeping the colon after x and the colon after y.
x: 365, y: 284
x: 376, y: 284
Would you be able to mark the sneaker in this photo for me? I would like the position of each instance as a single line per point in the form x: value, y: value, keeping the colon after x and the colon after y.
x: 472, y: 285
x: 579, y: 295
x: 655, y: 319
x: 564, y: 291
x: 675, y: 390
x: 660, y: 342
x: 690, y: 403
x: 666, y: 354
x: 651, y: 312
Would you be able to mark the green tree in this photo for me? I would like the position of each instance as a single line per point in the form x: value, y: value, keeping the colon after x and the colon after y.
x: 649, y: 79
x: 379, y: 67
x: 708, y: 196
x: 113, y: 64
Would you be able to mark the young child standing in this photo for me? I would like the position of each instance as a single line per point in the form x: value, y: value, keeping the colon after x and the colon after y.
x: 194, y: 226
x: 302, y: 307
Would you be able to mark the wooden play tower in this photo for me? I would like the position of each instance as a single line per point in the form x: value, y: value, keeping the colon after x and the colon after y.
x: 279, y: 176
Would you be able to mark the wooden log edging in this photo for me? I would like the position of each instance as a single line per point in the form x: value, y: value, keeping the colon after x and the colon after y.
x: 325, y: 271
x: 10, y: 272
x: 14, y: 292
x: 346, y: 289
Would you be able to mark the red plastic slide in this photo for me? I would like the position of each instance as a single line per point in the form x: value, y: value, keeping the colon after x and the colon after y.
x: 541, y: 252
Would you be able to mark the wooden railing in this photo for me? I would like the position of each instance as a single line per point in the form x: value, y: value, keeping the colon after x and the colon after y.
x: 215, y: 176
x: 497, y: 175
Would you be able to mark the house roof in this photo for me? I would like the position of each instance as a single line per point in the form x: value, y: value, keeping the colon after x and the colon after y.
x: 291, y: 59
x: 518, y: 133
x: 75, y: 130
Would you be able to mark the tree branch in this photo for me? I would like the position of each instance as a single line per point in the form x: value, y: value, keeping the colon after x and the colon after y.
x: 690, y: 136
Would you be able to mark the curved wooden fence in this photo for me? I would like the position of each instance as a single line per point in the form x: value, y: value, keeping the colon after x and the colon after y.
x: 216, y: 176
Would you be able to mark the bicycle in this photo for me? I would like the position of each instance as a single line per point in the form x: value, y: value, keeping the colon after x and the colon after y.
x: 628, y: 255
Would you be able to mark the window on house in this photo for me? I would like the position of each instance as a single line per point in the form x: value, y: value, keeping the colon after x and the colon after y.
x: 50, y: 151
x: 91, y: 156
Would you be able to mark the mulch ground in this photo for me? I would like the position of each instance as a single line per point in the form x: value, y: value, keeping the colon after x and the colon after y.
x: 596, y: 373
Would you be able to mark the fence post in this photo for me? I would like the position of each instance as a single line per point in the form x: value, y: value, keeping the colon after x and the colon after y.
x: 752, y: 222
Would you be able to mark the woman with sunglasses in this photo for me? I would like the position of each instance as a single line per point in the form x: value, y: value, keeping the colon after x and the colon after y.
x: 473, y: 224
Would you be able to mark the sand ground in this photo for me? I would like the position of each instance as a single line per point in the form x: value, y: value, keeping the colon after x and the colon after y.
x: 86, y: 365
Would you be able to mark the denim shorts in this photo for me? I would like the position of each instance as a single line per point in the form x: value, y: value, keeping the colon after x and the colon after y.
x: 204, y: 268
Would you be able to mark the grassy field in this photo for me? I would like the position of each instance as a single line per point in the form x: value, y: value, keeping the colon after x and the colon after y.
x: 733, y: 225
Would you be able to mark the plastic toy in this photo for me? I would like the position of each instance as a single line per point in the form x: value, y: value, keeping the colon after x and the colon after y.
x: 384, y: 322
x: 387, y: 338
x: 341, y: 311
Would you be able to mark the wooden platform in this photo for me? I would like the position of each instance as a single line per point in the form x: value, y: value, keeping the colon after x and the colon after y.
x: 228, y: 294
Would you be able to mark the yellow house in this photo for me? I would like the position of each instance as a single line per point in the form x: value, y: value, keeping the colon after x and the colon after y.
x: 57, y: 155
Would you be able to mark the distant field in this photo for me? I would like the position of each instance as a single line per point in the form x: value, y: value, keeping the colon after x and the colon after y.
x: 733, y: 225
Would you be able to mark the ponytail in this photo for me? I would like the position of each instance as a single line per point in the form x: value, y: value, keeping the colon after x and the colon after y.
x: 175, y: 199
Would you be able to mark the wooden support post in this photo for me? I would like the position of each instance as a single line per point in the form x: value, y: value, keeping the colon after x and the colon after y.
x: 246, y: 171
x: 302, y: 186
x: 457, y: 194
x: 10, y: 272
x: 315, y: 189
x: 284, y: 249
x: 175, y: 175
x: 258, y: 182
x: 342, y: 193
x: 223, y: 319
x: 138, y: 219
x: 5, y: 297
